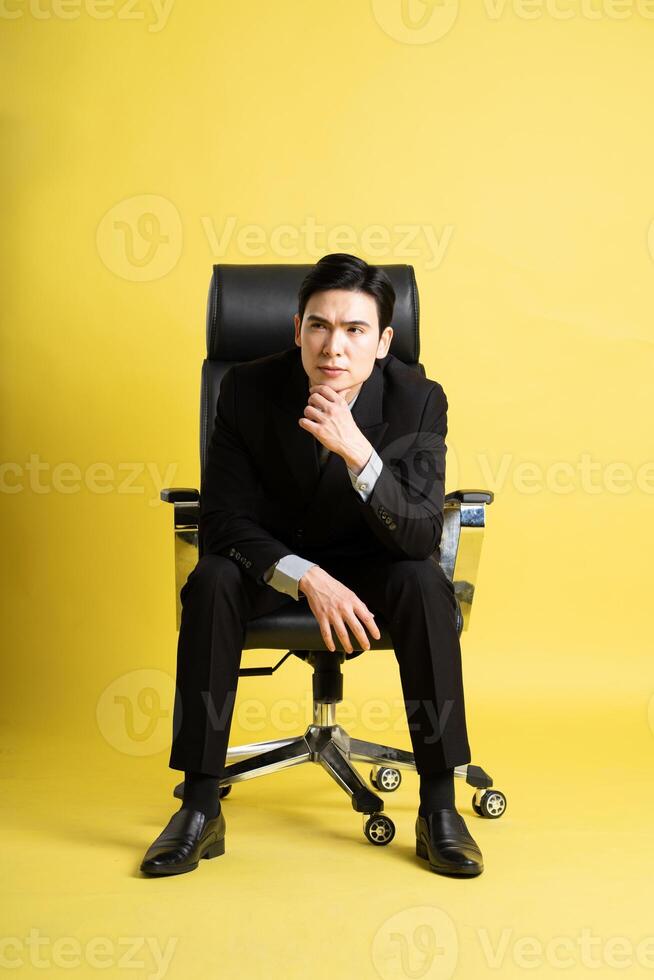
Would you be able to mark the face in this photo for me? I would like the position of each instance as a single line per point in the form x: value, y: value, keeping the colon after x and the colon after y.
x: 340, y: 329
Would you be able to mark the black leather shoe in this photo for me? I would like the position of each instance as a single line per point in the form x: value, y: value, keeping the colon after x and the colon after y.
x: 442, y: 838
x: 187, y: 837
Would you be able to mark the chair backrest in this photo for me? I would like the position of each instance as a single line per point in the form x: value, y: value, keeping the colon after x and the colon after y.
x: 250, y: 312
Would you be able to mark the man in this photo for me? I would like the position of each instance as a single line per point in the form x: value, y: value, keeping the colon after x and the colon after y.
x: 324, y: 480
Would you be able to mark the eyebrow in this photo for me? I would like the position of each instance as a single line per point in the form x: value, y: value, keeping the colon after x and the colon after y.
x: 348, y: 323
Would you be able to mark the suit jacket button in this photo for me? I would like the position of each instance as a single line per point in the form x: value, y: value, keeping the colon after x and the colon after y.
x: 299, y: 531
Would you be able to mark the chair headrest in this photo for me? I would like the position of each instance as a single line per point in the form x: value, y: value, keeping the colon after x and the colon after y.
x: 250, y: 310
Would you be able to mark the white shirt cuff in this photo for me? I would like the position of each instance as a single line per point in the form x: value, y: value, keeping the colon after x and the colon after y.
x: 364, y: 483
x: 286, y: 573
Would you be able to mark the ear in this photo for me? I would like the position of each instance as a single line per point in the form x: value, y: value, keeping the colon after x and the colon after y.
x: 298, y: 326
x: 384, y: 342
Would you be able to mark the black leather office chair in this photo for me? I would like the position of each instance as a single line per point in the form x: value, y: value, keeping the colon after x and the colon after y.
x: 250, y: 314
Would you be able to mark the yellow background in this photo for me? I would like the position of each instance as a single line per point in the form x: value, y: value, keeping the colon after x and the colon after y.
x: 521, y: 138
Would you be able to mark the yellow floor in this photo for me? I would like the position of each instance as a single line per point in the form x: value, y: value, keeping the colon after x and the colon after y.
x: 566, y: 889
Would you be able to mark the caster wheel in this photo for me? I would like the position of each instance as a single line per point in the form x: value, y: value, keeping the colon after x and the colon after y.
x: 386, y: 780
x: 224, y: 791
x: 379, y: 829
x: 492, y: 804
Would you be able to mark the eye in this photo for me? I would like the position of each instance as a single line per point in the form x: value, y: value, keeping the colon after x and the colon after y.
x: 357, y: 328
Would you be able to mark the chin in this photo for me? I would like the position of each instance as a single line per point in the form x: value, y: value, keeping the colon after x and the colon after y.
x: 336, y: 384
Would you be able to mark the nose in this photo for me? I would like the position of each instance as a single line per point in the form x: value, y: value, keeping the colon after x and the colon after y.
x: 333, y: 344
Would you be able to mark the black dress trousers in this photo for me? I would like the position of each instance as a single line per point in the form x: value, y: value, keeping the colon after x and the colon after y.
x: 415, y: 598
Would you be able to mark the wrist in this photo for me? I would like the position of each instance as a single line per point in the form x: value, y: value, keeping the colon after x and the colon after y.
x: 358, y: 459
x: 305, y: 581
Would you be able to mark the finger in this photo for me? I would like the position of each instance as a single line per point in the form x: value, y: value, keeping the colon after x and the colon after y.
x: 315, y: 412
x: 320, y: 401
x: 372, y: 626
x: 368, y: 618
x: 342, y: 634
x: 327, y: 634
x: 358, y: 631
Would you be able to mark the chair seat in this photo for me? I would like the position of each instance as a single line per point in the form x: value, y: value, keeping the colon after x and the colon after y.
x: 295, y: 622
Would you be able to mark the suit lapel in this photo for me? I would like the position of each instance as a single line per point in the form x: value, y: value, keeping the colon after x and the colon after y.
x: 300, y: 448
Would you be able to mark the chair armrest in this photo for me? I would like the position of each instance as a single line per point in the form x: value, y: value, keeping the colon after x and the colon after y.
x: 464, y: 519
x: 186, y: 501
x: 471, y: 496
x: 186, y: 517
x: 178, y: 495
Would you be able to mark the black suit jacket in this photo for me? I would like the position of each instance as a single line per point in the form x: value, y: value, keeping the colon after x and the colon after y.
x: 263, y: 495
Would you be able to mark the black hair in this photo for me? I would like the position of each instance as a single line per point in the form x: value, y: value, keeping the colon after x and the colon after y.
x: 342, y: 271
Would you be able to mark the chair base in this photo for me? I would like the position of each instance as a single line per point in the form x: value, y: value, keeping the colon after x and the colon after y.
x: 327, y: 744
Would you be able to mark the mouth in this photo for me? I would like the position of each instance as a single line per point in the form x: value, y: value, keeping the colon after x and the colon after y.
x: 331, y: 372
